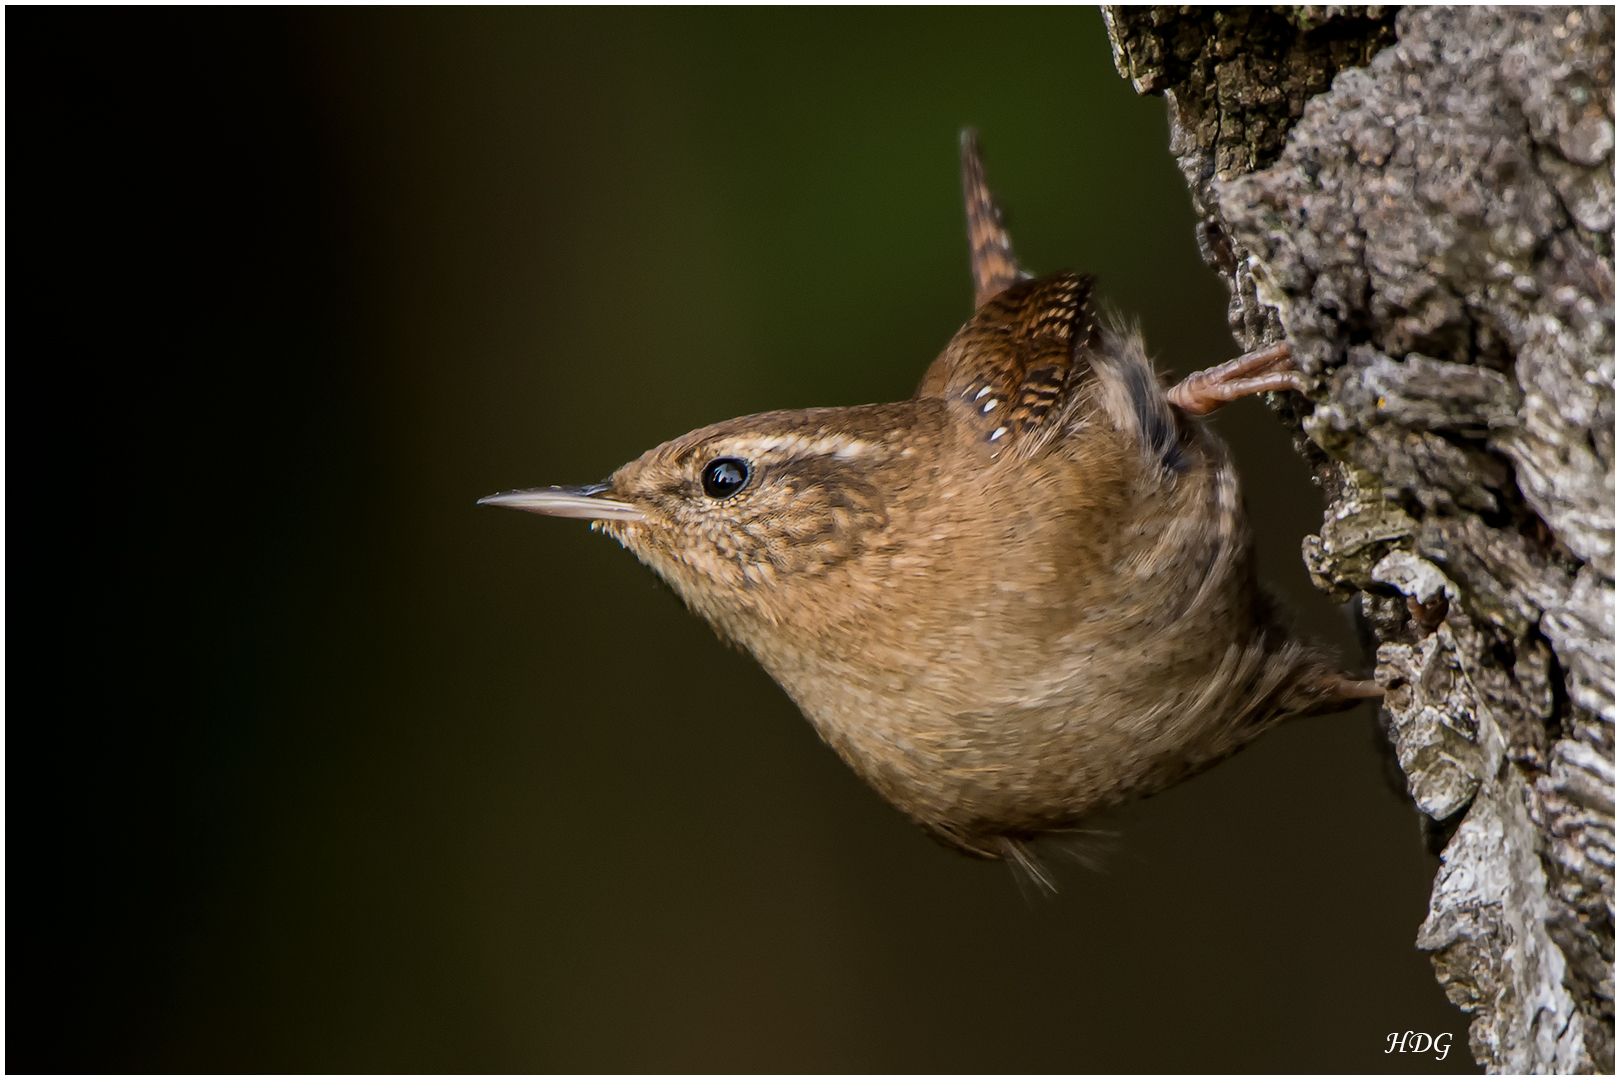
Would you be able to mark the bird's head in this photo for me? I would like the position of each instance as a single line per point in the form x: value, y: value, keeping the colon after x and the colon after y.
x: 758, y: 514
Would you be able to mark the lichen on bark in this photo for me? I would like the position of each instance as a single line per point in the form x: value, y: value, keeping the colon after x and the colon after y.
x: 1421, y: 202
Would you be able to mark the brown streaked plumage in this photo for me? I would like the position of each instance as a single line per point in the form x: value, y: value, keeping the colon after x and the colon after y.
x: 989, y: 247
x: 1022, y: 596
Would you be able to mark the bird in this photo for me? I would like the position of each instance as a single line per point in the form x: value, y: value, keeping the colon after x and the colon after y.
x: 1022, y: 597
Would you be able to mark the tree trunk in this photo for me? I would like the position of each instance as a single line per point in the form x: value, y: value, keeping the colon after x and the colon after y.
x: 1421, y: 202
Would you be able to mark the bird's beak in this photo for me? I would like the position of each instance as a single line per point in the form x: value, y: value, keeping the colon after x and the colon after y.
x: 568, y: 502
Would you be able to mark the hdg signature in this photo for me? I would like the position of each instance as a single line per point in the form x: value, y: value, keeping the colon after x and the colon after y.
x: 1420, y: 1042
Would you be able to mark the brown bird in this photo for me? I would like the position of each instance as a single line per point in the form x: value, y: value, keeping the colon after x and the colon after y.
x: 1023, y: 596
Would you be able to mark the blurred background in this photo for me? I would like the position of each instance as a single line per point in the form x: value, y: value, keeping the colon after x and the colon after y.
x: 315, y: 766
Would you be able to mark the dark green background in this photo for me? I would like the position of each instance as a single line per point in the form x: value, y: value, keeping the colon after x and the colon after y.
x: 313, y: 765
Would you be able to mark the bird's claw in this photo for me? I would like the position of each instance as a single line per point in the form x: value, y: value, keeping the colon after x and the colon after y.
x: 1271, y: 368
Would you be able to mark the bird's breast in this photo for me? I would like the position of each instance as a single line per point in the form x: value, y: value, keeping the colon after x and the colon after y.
x: 1018, y: 660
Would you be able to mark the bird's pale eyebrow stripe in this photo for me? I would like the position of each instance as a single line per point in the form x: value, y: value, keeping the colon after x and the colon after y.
x: 840, y: 446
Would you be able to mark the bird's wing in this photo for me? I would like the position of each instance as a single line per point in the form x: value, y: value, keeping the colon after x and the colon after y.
x: 1009, y: 373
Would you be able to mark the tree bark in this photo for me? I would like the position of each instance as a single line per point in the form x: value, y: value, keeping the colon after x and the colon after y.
x: 1421, y: 203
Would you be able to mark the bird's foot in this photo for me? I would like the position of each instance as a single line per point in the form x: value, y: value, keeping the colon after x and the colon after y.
x: 1331, y: 692
x: 1271, y: 368
x: 1356, y: 689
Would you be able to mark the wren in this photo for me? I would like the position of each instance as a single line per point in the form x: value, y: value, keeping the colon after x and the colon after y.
x: 1021, y: 597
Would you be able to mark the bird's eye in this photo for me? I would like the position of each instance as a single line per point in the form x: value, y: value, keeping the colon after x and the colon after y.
x: 724, y: 477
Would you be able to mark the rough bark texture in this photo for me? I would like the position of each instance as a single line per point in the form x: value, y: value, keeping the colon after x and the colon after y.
x: 1421, y: 201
